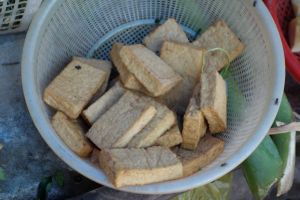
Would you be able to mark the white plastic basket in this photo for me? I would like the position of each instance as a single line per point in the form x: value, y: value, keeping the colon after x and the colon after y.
x: 16, y: 15
x: 66, y: 28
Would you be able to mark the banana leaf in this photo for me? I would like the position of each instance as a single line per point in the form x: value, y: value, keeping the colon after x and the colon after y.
x: 217, y: 190
x: 286, y: 146
x: 263, y: 168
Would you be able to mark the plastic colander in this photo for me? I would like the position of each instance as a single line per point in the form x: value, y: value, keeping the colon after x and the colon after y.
x: 66, y: 28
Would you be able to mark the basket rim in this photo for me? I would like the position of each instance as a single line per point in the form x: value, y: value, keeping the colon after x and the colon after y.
x: 33, y: 102
x: 292, y: 63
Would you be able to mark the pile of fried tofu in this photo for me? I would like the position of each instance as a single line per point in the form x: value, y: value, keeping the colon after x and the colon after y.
x: 156, y: 121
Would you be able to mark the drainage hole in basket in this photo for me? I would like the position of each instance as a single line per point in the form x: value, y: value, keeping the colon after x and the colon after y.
x: 276, y: 101
x: 223, y: 164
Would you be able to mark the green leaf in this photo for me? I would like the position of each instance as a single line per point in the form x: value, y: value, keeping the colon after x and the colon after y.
x: 2, y: 174
x: 283, y: 143
x: 47, y: 183
x: 217, y: 190
x: 284, y: 115
x: 263, y: 168
x: 59, y: 178
x: 44, y: 187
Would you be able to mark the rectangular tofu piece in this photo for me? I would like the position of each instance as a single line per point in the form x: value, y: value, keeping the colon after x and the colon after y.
x: 161, y: 122
x: 99, y: 64
x: 153, y: 73
x: 294, y: 35
x: 104, y: 103
x: 187, y: 61
x: 74, y: 87
x: 128, y: 167
x: 127, y: 78
x: 170, y: 31
x: 214, y: 101
x: 72, y: 134
x: 207, y: 151
x: 219, y: 36
x: 116, y: 127
x: 170, y: 138
x: 296, y: 7
x: 194, y: 125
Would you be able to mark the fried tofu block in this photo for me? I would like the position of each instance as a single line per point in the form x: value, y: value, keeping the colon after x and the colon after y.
x: 170, y: 31
x: 74, y: 87
x: 161, y: 122
x: 294, y: 35
x: 219, y: 36
x: 170, y: 138
x: 116, y: 127
x: 105, y: 102
x: 99, y: 64
x: 214, y: 101
x: 127, y: 78
x: 154, y: 74
x: 296, y: 7
x: 128, y: 167
x: 207, y: 151
x: 187, y: 61
x: 72, y: 134
x: 194, y: 125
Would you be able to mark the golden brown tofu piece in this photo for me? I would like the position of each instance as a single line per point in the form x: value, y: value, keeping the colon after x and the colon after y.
x: 116, y: 127
x: 214, y: 101
x: 170, y: 138
x: 219, y: 36
x: 187, y: 61
x: 153, y: 73
x: 99, y: 64
x: 128, y: 167
x: 104, y: 103
x: 170, y: 31
x: 207, y: 151
x: 74, y: 87
x: 162, y: 121
x: 127, y: 78
x: 72, y: 134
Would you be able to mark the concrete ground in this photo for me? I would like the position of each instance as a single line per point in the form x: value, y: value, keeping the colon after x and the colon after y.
x: 26, y: 158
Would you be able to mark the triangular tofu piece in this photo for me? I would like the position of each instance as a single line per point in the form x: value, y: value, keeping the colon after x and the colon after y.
x: 128, y: 167
x: 116, y: 127
x: 153, y: 73
x: 74, y: 87
x: 207, y: 151
x: 170, y: 138
x: 104, y: 103
x: 219, y: 36
x: 170, y: 30
x: 187, y: 61
x: 72, y: 134
x: 194, y: 125
x: 214, y: 101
